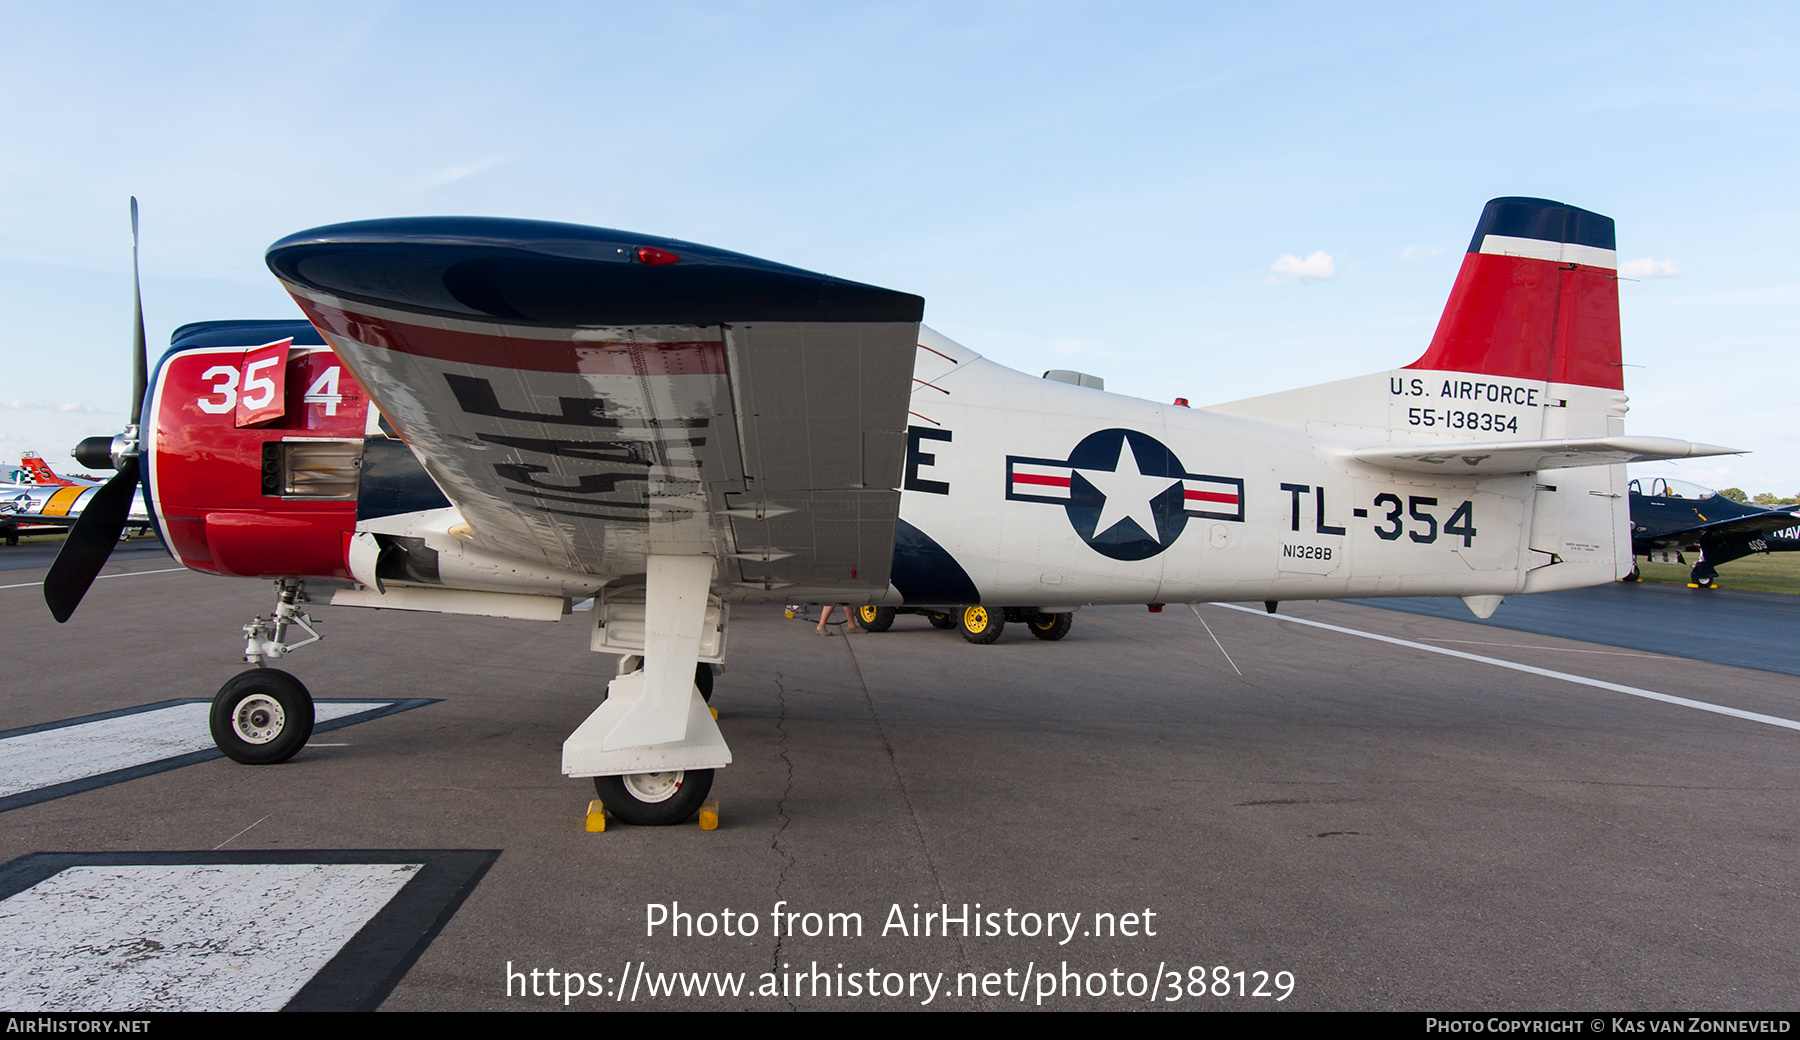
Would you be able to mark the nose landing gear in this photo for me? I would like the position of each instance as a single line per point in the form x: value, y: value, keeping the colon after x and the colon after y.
x: 264, y: 716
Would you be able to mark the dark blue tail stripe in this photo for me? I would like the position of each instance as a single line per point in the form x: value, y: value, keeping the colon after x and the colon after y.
x: 1545, y: 221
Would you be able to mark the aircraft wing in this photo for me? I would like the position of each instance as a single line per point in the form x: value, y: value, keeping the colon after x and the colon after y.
x: 1754, y: 523
x: 1504, y: 457
x: 587, y: 397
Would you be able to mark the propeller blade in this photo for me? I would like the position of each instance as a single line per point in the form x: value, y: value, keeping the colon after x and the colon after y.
x: 90, y: 542
x: 139, y: 350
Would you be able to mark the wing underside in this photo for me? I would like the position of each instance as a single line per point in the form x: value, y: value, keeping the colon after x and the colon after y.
x: 768, y: 435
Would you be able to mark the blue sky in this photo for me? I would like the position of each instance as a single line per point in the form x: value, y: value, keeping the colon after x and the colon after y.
x: 1102, y: 187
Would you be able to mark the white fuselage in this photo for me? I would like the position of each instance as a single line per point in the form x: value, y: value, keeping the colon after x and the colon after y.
x: 1313, y: 523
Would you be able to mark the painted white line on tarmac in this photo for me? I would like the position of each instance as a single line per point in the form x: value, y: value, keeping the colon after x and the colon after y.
x: 29, y: 761
x: 1582, y: 680
x: 1554, y: 649
x: 127, y: 574
x: 184, y: 937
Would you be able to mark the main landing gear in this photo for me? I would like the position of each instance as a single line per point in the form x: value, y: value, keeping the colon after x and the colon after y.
x: 651, y: 747
x: 658, y: 799
x: 264, y: 716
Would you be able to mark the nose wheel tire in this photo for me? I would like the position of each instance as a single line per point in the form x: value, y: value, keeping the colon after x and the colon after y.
x: 979, y: 624
x: 262, y: 717
x: 654, y: 799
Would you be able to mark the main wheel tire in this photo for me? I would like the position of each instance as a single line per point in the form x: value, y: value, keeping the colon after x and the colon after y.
x: 1051, y: 626
x: 979, y: 624
x: 1634, y: 575
x: 654, y: 799
x: 941, y: 620
x: 875, y: 619
x: 262, y: 717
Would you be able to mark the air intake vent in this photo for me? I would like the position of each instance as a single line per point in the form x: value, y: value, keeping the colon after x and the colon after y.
x: 313, y: 469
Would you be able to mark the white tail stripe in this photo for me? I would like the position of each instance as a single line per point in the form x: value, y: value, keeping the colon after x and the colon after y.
x: 1561, y: 252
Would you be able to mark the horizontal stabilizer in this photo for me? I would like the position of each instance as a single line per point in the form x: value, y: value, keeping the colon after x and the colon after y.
x: 1483, y: 460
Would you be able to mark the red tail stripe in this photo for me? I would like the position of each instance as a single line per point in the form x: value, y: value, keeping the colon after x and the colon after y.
x: 1530, y: 319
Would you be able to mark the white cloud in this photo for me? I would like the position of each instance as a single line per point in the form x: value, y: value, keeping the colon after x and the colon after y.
x: 1649, y: 268
x: 452, y: 174
x: 1414, y: 252
x: 44, y: 406
x: 1318, y: 266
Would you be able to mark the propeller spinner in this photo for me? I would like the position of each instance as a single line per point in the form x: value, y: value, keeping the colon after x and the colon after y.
x: 96, y: 531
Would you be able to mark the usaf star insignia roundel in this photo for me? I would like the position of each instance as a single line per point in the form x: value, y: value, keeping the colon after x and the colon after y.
x: 1125, y: 492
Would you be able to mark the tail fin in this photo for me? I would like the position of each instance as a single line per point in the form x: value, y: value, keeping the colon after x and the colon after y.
x: 40, y: 471
x: 1537, y: 298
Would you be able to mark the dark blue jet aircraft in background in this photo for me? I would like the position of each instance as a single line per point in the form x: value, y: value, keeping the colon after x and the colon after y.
x: 1677, y: 516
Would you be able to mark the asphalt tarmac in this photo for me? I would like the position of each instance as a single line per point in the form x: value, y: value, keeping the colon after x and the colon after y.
x: 1726, y: 626
x: 1517, y: 824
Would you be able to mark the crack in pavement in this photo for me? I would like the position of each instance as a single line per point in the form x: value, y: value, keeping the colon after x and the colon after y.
x: 906, y: 796
x: 775, y: 843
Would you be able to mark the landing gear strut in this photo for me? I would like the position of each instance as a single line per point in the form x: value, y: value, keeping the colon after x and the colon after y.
x: 267, y: 640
